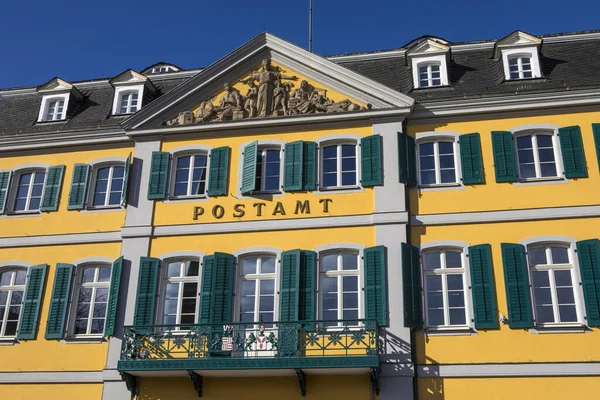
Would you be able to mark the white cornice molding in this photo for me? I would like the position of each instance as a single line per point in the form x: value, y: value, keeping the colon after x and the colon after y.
x: 425, y: 110
x: 368, y: 56
x: 41, y: 140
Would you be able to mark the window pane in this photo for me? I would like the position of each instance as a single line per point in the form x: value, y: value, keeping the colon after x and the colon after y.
x: 115, y: 198
x: 455, y: 282
x: 330, y: 302
x: 17, y: 297
x: 457, y: 316
x: 330, y: 152
x: 88, y: 275
x: 174, y: 269
x: 456, y: 299
x: 548, y: 170
x: 426, y: 162
x: 11, y: 328
x: 272, y: 183
x: 537, y: 256
x: 329, y: 165
x: 453, y: 259
x: 348, y: 150
x: 349, y: 261
x: 350, y: 283
x: 170, y: 306
x: 191, y: 268
x: 562, y: 278
x: 527, y: 171
x: 34, y: 204
x: 349, y: 164
x: 104, y: 274
x: 247, y: 304
x: 267, y: 265
x: 427, y: 177
x: 348, y: 178
x: 329, y: 285
x: 526, y: 156
x: 435, y: 317
x: 350, y: 314
x: 180, y: 189
x: 435, y: 300
x: 567, y: 313
x: 102, y: 294
x: 560, y: 255
x: 433, y: 282
x: 329, y: 262
x: 267, y: 286
x: 249, y: 266
x: 267, y: 303
x: 447, y: 161
x: 5, y: 278
x: 431, y: 260
x: 540, y: 279
x: 188, y: 306
x: 329, y: 180
x: 81, y: 326
x: 544, y: 314
x: 447, y: 176
x: 248, y: 288
x: 99, y: 310
x: 20, y: 278
x: 190, y: 289
x: 426, y: 149
x: 546, y: 155
x: 524, y: 142
x: 565, y: 296
x: 542, y: 296
x: 172, y: 290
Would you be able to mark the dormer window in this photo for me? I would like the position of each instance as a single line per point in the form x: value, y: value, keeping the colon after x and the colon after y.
x: 429, y: 75
x: 428, y: 60
x: 55, y: 110
x: 56, y: 97
x: 520, y: 56
x: 131, y: 88
x: 129, y: 102
x: 160, y: 68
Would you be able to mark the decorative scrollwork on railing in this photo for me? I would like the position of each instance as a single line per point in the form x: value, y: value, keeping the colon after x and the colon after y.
x: 243, y: 340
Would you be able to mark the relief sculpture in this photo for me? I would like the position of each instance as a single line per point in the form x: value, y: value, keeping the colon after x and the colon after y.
x: 270, y: 93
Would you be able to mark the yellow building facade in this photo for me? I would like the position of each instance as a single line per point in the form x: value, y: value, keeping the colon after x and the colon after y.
x: 283, y: 225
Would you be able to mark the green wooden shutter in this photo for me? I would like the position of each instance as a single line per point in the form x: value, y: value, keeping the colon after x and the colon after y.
x: 249, y: 168
x: 371, y: 168
x: 516, y: 280
x: 470, y: 159
x: 406, y: 159
x: 308, y: 275
x: 206, y: 289
x: 59, y: 303
x: 113, y: 297
x: 596, y: 130
x: 411, y: 286
x: 159, y: 175
x: 223, y: 288
x: 588, y: 252
x: 504, y: 156
x: 145, y: 302
x: 573, y: 156
x: 4, y: 185
x: 218, y: 171
x: 125, y: 180
x: 54, y: 179
x: 309, y: 166
x: 289, y: 287
x: 32, y: 300
x: 375, y: 284
x: 292, y: 168
x: 482, y: 287
x: 79, y: 184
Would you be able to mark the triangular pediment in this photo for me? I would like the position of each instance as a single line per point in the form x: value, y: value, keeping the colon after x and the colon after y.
x: 268, y: 78
x: 516, y: 39
x: 56, y: 85
x: 427, y: 47
x: 128, y: 77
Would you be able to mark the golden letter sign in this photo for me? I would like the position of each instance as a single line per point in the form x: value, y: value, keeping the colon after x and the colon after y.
x: 261, y: 209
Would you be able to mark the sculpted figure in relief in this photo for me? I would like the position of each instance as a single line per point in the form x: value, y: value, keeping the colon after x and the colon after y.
x: 250, y: 103
x: 266, y: 84
x: 231, y: 104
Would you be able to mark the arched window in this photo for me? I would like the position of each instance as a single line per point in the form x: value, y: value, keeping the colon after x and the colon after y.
x: 438, y: 159
x: 28, y: 190
x: 339, y: 166
x: 12, y: 287
x: 537, y: 154
x: 107, y: 185
x: 91, y: 299
x: 179, y: 292
x: 257, y: 297
x: 340, y: 286
x: 268, y: 169
x: 444, y: 287
x: 191, y: 170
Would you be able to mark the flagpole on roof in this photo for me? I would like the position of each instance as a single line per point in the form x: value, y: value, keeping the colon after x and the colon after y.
x: 310, y: 26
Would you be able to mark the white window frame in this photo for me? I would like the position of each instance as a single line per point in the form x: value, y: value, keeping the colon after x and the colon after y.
x: 429, y: 71
x: 180, y: 280
x: 542, y: 130
x: 417, y: 62
x: 573, y: 266
x: 240, y: 277
x: 435, y: 137
x: 339, y: 274
x: 11, y: 289
x: 92, y: 183
x: 79, y: 268
x: 129, y: 107
x: 125, y: 90
x: 530, y: 52
x: 339, y: 143
x: 183, y: 153
x: 442, y: 247
x: 14, y: 185
x: 47, y: 100
x: 262, y: 149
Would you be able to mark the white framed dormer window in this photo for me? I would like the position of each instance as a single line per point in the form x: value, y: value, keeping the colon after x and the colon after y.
x: 257, y: 295
x: 57, y: 94
x: 179, y: 292
x: 191, y: 174
x: 90, y: 300
x: 107, y: 185
x: 438, y: 160
x: 521, y: 63
x: 339, y: 165
x: 12, y: 288
x: 27, y: 190
x: 556, y: 294
x: 538, y: 155
x: 430, y: 71
x: 268, y: 169
x: 444, y: 286
x: 128, y: 102
x: 429, y: 75
x: 340, y: 286
x: 55, y: 109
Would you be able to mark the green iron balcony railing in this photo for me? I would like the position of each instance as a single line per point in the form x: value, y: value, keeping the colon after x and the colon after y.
x: 294, y: 345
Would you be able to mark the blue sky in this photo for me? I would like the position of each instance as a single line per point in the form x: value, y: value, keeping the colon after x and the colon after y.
x: 86, y: 39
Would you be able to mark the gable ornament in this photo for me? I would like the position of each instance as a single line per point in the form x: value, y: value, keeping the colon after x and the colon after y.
x: 269, y: 94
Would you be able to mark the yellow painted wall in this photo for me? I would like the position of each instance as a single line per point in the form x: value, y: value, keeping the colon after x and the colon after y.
x: 62, y: 221
x: 242, y: 88
x: 182, y: 212
x: 507, y: 345
x: 271, y: 388
x: 70, y: 391
x: 51, y: 355
x: 502, y: 196
x: 285, y: 240
x: 559, y: 388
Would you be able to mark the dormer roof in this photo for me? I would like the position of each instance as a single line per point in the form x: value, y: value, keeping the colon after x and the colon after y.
x: 516, y: 39
x: 58, y: 86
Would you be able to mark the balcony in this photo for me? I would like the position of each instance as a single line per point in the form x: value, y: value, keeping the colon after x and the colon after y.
x: 242, y: 347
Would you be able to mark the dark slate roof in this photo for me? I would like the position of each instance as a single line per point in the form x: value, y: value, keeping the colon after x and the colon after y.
x: 19, y: 112
x: 475, y: 73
